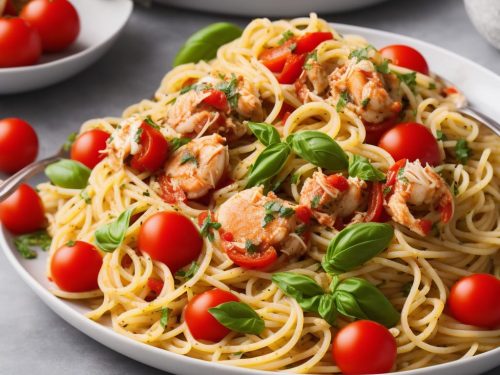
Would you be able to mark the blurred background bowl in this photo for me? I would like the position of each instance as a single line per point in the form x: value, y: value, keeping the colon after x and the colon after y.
x: 485, y: 15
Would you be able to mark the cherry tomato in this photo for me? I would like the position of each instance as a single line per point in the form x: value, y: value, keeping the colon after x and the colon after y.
x: 57, y: 22
x: 275, y: 58
x: 376, y: 203
x: 338, y: 181
x: 254, y: 260
x: 364, y: 347
x: 292, y: 69
x: 88, y: 146
x: 154, y: 150
x: 20, y: 43
x: 375, y: 131
x: 411, y: 141
x: 308, y: 42
x: 217, y: 99
x: 285, y: 112
x: 304, y: 214
x: 474, y: 300
x: 201, y: 324
x: 171, y: 238
x: 23, y: 211
x: 75, y: 267
x: 406, y: 56
x: 170, y: 193
x: 155, y: 285
x: 18, y: 145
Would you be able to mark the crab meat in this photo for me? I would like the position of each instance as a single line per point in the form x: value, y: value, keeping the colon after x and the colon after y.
x: 195, y: 168
x: 328, y: 202
x: 419, y: 191
x: 312, y: 83
x: 244, y: 216
x: 124, y: 141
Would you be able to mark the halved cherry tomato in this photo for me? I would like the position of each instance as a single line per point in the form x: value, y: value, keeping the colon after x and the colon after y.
x: 202, y: 324
x: 88, y: 147
x: 170, y: 193
x: 156, y: 285
x: 364, y: 347
x: 154, y: 150
x: 20, y: 43
x: 308, y: 42
x: 285, y: 111
x: 406, y: 57
x: 474, y: 300
x: 75, y: 267
x: 255, y: 260
x: 411, y: 141
x: 376, y: 205
x: 292, y: 69
x: 274, y: 58
x: 23, y: 211
x: 18, y: 144
x: 217, y: 99
x: 171, y: 238
x: 304, y: 214
x: 338, y: 181
x: 375, y: 131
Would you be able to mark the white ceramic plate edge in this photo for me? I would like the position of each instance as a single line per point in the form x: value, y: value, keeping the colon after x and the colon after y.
x: 185, y: 365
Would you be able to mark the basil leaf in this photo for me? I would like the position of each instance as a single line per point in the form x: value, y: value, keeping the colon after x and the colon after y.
x: 319, y: 149
x: 327, y: 309
x: 68, y: 174
x: 109, y: 236
x: 164, y: 316
x: 360, y: 299
x: 268, y: 164
x: 204, y: 43
x: 265, y: 133
x: 355, y: 245
x: 238, y: 317
x: 26, y: 242
x: 310, y: 304
x: 462, y: 151
x: 359, y: 166
x: 300, y: 287
x: 176, y: 143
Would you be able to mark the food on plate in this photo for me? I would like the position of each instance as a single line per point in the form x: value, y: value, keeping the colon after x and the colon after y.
x: 18, y: 144
x: 301, y: 202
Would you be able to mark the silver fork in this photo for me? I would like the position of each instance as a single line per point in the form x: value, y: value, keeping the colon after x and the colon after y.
x: 8, y: 186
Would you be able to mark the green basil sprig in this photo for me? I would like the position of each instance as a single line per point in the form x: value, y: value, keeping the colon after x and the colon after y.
x: 355, y: 245
x: 109, y: 236
x: 359, y: 299
x: 238, y: 317
x: 302, y: 288
x: 265, y: 133
x: 268, y: 164
x: 359, y: 166
x: 319, y: 149
x: 204, y: 43
x: 68, y: 174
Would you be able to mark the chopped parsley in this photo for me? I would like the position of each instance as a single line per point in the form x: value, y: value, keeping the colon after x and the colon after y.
x: 300, y: 229
x: 274, y: 207
x: 70, y: 243
x: 462, y: 151
x: 293, y: 46
x: 267, y: 219
x: 361, y: 53
x: 250, y: 247
x: 440, y: 136
x: 286, y: 36
x: 342, y: 102
x: 164, y: 316
x: 454, y: 188
x: 409, y: 79
x: 85, y: 196
x: 311, y: 56
x: 188, y: 158
x: 148, y: 120
x: 190, y: 272
x: 176, y: 143
x: 295, y: 178
x: 315, y: 201
x: 137, y: 136
x: 432, y: 86
x: 365, y: 102
x: 208, y: 225
x: 69, y: 141
x: 26, y: 242
x: 387, y: 190
x: 383, y: 67
x: 401, y: 175
x: 146, y: 193
x: 230, y: 89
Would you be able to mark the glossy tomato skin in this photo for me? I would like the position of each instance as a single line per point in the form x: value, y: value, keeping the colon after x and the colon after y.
x: 23, y: 211
x: 18, y: 144
x: 153, y: 152
x: 364, y: 347
x: 201, y: 324
x: 88, y: 147
x: 75, y: 267
x: 257, y: 260
x: 406, y: 56
x: 56, y: 21
x: 20, y: 44
x: 474, y: 300
x: 411, y: 141
x: 171, y: 238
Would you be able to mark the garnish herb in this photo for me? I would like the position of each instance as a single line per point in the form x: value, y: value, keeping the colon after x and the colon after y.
x: 85, y: 196
x: 164, y: 316
x: 109, y: 236
x: 230, y: 89
x: 293, y: 46
x: 26, y: 242
x: 406, y: 288
x: 454, y: 188
x: 268, y: 164
x: 207, y: 226
x: 440, y: 136
x: 342, y: 102
x: 386, y: 190
x: 176, y: 143
x: 432, y: 86
x: 68, y: 174
x: 190, y: 272
x: 365, y: 102
x: 355, y: 245
x: 315, y: 201
x: 148, y: 120
x: 359, y: 166
x: 146, y: 193
x: 274, y: 207
x: 383, y: 67
x: 250, y: 247
x: 410, y: 79
x: 462, y: 151
x: 188, y: 158
x: 138, y: 134
x: 238, y: 317
x: 287, y: 35
x: 361, y: 53
x: 401, y: 175
x: 265, y: 133
x: 69, y: 141
x: 311, y: 56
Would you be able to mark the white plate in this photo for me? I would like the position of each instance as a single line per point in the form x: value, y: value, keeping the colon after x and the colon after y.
x: 101, y: 23
x: 482, y: 88
x: 271, y: 8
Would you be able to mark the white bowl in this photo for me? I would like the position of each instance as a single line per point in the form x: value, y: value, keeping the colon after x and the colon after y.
x: 101, y: 23
x: 271, y: 8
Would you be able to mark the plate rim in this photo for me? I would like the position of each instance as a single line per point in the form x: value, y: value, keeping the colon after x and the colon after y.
x: 124, y: 345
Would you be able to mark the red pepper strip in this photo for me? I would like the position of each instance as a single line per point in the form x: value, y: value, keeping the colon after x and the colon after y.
x: 376, y: 205
x: 275, y: 58
x: 392, y: 173
x: 217, y: 99
x: 292, y: 69
x: 308, y: 42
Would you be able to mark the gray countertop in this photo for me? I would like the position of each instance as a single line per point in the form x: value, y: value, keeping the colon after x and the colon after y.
x: 32, y: 338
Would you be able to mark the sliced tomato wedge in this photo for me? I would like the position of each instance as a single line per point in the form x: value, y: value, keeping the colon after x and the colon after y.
x: 375, y: 131
x: 156, y: 285
x: 392, y: 173
x: 154, y: 150
x: 376, y: 205
x: 170, y: 193
x: 304, y: 214
x: 275, y: 58
x: 255, y: 260
x: 338, y: 181
x: 292, y: 69
x: 217, y: 99
x: 308, y: 42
